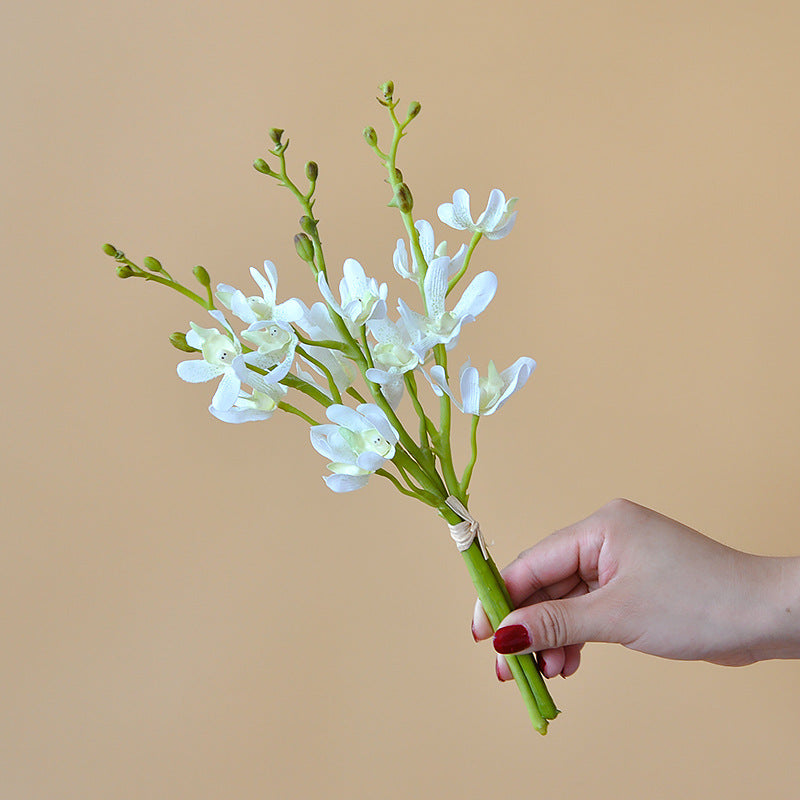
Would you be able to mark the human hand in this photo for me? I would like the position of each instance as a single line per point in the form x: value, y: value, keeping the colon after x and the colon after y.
x: 627, y: 574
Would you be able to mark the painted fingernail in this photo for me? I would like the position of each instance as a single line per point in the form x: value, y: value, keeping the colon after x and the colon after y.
x: 497, y: 670
x: 511, y: 639
x: 472, y: 628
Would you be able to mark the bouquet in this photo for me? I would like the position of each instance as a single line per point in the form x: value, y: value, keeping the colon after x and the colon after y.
x: 348, y: 357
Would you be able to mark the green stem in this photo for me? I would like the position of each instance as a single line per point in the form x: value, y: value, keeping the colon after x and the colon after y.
x: 337, y: 397
x: 353, y: 392
x: 467, y: 476
x: 476, y: 237
x: 297, y: 412
x: 495, y: 600
x: 307, y: 388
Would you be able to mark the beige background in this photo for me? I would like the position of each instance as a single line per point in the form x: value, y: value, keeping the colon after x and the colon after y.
x: 187, y: 612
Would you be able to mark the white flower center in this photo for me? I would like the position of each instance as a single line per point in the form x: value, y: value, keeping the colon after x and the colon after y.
x: 388, y: 356
x: 219, y: 350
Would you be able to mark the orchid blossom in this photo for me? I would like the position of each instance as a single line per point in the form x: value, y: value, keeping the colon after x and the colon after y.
x: 495, y: 222
x: 254, y: 309
x: 221, y: 356
x: 483, y: 396
x: 361, y: 297
x: 439, y: 326
x: 358, y: 443
x: 411, y: 271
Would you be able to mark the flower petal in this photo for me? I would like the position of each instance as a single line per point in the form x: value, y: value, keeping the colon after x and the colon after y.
x: 347, y: 417
x: 378, y: 420
x: 227, y: 391
x: 470, y: 390
x: 504, y: 229
x: 495, y: 208
x: 345, y: 483
x: 198, y: 371
x: 477, y: 295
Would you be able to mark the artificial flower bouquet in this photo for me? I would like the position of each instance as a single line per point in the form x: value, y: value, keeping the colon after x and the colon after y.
x: 347, y: 356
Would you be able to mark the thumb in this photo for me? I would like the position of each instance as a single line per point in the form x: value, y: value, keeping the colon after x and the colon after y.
x: 553, y: 623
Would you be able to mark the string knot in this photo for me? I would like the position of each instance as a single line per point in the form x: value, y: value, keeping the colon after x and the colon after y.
x: 464, y: 533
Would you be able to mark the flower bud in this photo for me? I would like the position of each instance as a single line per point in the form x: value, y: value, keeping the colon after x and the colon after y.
x: 153, y: 264
x: 262, y: 166
x: 403, y: 199
x: 110, y: 250
x: 414, y: 109
x: 312, y: 170
x: 304, y: 247
x: 124, y: 271
x: 275, y: 134
x: 370, y: 136
x: 178, y: 341
x: 203, y: 278
x: 387, y: 90
x: 308, y: 225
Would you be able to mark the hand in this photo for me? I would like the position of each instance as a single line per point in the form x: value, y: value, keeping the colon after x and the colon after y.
x: 629, y: 575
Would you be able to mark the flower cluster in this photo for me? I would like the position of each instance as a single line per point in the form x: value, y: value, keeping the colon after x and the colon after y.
x: 358, y: 442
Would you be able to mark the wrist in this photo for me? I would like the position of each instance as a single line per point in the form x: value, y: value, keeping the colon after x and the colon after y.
x: 779, y: 621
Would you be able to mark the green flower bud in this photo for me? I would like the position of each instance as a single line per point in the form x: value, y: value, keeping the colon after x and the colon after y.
x: 275, y: 134
x: 262, y: 166
x: 110, y: 250
x: 403, y: 199
x: 414, y: 109
x: 153, y: 264
x: 124, y: 271
x: 312, y: 170
x: 370, y: 136
x: 304, y: 247
x: 308, y: 225
x: 202, y: 275
x: 387, y: 90
x: 178, y: 341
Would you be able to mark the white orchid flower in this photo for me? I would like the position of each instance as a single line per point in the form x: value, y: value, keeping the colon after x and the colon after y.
x: 254, y: 309
x: 393, y: 356
x: 483, y: 396
x: 222, y: 356
x: 358, y: 442
x: 440, y: 326
x: 361, y: 297
x: 276, y: 343
x: 426, y: 242
x: 318, y: 325
x: 495, y: 222
x: 259, y: 405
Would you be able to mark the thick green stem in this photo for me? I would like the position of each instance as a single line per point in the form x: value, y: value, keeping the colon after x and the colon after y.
x: 494, y: 598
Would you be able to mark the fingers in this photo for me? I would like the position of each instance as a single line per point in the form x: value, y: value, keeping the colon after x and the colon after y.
x: 569, y: 587
x: 562, y: 661
x: 568, y: 555
x: 554, y: 623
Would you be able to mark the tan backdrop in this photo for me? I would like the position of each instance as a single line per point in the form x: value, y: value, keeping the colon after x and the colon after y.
x: 187, y: 611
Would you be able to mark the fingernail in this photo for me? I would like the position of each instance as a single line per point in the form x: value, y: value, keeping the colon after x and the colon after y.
x: 511, y: 639
x: 472, y: 628
x: 497, y: 670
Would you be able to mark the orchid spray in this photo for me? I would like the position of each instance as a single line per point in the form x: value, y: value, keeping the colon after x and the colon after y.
x: 287, y: 352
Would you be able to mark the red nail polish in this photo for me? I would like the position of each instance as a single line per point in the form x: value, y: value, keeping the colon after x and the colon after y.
x: 511, y: 639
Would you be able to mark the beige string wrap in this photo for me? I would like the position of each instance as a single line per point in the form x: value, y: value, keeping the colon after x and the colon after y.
x: 464, y: 533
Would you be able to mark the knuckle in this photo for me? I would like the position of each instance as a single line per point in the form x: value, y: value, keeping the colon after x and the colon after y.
x: 549, y: 626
